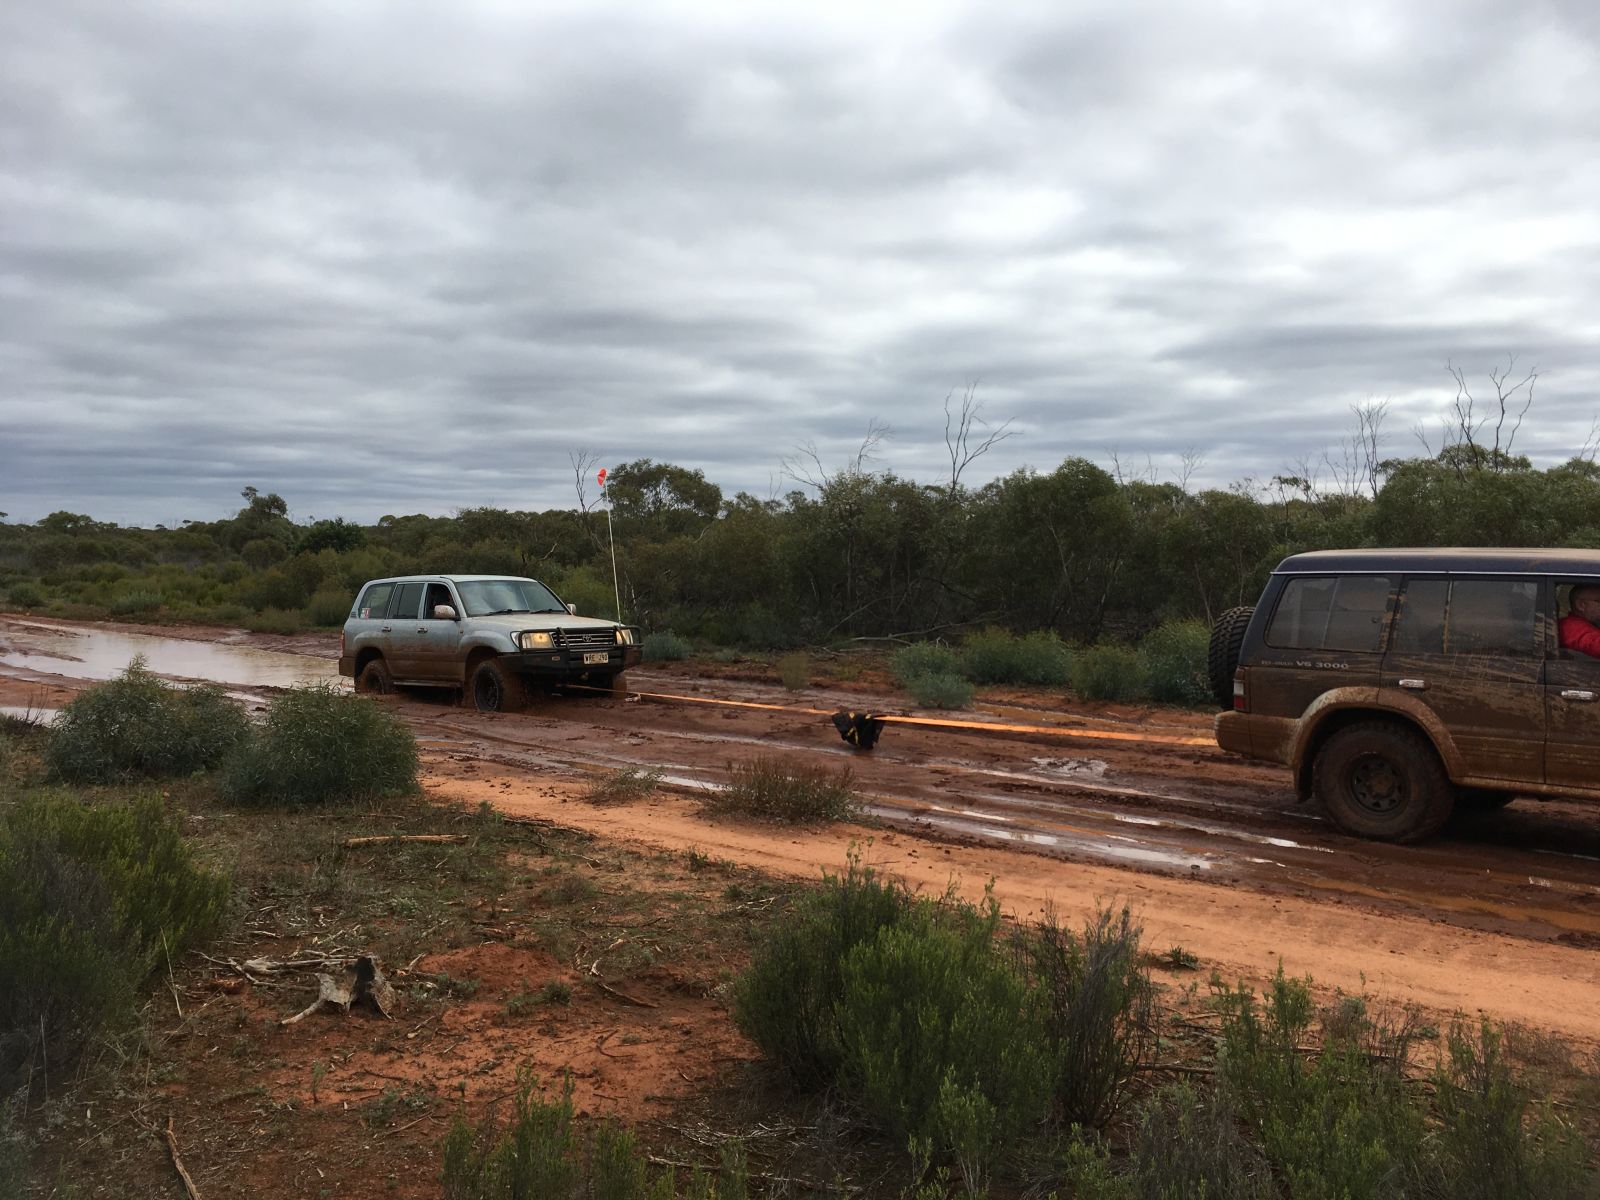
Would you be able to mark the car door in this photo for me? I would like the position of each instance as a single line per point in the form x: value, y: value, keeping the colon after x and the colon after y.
x: 1572, y: 713
x: 404, y: 642
x: 365, y: 628
x: 1471, y: 649
x: 435, y: 642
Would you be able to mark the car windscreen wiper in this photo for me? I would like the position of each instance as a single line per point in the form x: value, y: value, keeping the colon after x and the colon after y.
x: 500, y: 612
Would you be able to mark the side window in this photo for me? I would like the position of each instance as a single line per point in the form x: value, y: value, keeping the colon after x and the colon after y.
x: 1333, y: 612
x: 407, y: 602
x: 1469, y: 616
x: 376, y: 601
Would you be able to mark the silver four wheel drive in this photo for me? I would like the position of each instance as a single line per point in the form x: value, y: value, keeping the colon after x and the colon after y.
x: 487, y: 634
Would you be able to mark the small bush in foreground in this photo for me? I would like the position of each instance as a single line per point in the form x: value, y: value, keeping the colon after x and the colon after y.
x: 787, y: 1000
x: 540, y: 1153
x: 138, y: 726
x: 1099, y: 1009
x: 940, y: 691
x: 781, y: 790
x: 627, y: 786
x: 996, y: 656
x: 1174, y: 657
x: 1107, y: 671
x: 319, y: 745
x: 923, y: 658
x: 1188, y: 1143
x: 91, y: 899
x: 664, y: 646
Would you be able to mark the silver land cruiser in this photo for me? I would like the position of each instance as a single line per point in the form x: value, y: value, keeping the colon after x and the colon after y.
x: 489, y: 635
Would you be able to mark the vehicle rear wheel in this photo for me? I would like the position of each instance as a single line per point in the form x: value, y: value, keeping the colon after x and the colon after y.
x: 1222, y: 658
x: 1381, y: 780
x: 495, y: 688
x: 375, y: 679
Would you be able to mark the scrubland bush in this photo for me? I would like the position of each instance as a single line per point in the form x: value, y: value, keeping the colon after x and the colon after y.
x: 779, y: 789
x: 275, y: 620
x: 940, y: 691
x: 138, y: 726
x: 664, y: 646
x: 794, y: 672
x: 328, y: 608
x: 923, y: 658
x: 1107, y: 671
x: 136, y: 603
x: 540, y: 1152
x: 1188, y: 1143
x: 92, y: 897
x: 1174, y: 657
x: 997, y: 656
x: 26, y: 594
x: 319, y: 745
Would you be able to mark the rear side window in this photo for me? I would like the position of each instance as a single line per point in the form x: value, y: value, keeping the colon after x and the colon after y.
x: 1331, y: 612
x: 376, y: 601
x: 1469, y: 616
x: 407, y: 601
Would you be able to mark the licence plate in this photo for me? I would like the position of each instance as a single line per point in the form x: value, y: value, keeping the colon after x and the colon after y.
x: 601, y: 656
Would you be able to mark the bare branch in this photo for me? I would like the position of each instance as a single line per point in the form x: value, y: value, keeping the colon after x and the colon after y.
x: 583, y: 465
x: 958, y: 437
x: 1188, y: 464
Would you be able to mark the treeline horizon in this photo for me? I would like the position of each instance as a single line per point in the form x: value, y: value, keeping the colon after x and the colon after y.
x: 857, y: 553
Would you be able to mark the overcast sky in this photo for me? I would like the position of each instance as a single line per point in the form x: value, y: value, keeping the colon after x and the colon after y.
x: 407, y: 257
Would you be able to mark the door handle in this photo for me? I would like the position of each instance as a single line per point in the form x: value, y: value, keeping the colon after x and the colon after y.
x: 386, y: 629
x: 1414, y: 685
x: 422, y: 629
x: 1577, y: 694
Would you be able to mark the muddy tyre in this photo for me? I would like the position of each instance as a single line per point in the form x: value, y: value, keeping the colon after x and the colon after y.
x: 1381, y: 780
x: 375, y: 679
x: 1222, y: 658
x: 616, y: 684
x: 495, y: 688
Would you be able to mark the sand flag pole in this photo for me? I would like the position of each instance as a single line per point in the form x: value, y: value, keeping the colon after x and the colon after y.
x: 616, y: 591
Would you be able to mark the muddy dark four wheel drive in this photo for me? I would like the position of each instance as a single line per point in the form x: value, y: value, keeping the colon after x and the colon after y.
x: 489, y: 635
x: 1399, y: 685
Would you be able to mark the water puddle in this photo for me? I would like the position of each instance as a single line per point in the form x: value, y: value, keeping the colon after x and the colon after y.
x: 34, y: 716
x: 43, y: 649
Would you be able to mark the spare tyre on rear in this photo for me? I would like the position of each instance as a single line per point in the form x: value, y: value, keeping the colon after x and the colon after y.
x: 1222, y: 659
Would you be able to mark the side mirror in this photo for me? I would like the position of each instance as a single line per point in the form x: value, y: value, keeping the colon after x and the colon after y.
x: 572, y: 608
x: 443, y: 612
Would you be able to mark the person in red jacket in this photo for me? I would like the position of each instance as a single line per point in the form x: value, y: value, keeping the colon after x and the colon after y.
x: 1580, y: 628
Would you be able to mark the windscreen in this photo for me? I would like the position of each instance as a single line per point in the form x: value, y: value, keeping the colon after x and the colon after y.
x: 487, y: 597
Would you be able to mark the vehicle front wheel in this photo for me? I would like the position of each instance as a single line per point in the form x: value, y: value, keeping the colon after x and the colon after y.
x: 375, y: 679
x: 1381, y: 780
x: 616, y: 684
x: 494, y: 688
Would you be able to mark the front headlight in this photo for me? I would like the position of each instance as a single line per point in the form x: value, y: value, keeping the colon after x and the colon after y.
x: 624, y: 637
x: 535, y: 640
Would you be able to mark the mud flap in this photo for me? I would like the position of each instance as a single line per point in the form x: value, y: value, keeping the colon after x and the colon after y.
x: 861, y: 730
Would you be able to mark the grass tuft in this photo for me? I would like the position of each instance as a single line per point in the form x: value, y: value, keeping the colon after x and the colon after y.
x: 778, y: 789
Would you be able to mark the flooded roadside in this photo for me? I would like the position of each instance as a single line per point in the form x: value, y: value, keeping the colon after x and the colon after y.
x: 41, y: 650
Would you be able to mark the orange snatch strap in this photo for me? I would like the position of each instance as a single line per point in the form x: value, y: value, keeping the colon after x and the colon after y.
x: 866, y: 726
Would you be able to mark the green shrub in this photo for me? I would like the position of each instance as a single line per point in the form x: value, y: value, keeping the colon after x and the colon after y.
x: 137, y: 726
x: 275, y: 620
x: 627, y: 786
x: 942, y: 1040
x: 328, y: 608
x: 92, y: 897
x: 319, y: 745
x: 26, y: 594
x: 1338, y: 1122
x: 1491, y: 1143
x: 1107, y: 671
x: 1174, y: 655
x: 940, y: 691
x: 1188, y: 1143
x: 664, y: 646
x: 540, y: 1153
x: 996, y: 656
x: 131, y: 604
x: 776, y: 789
x: 794, y: 672
x: 786, y: 1001
x: 923, y: 658
x: 1099, y: 1009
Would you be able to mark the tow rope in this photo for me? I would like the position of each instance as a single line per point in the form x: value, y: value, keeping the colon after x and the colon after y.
x: 863, y: 729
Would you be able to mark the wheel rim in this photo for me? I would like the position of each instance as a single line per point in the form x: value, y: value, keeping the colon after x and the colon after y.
x: 486, y: 690
x: 1377, y: 785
